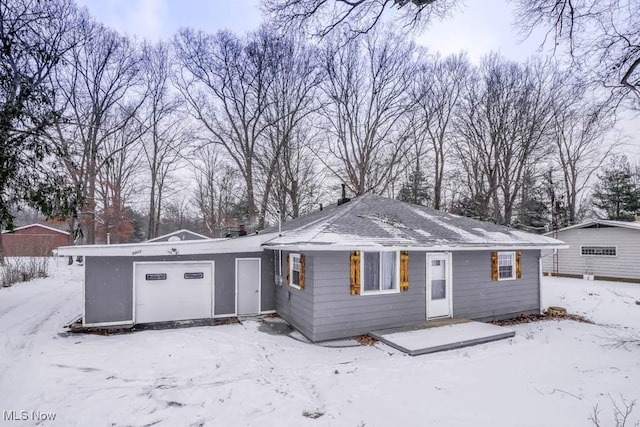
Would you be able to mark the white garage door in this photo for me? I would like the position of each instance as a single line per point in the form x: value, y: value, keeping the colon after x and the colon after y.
x: 167, y: 291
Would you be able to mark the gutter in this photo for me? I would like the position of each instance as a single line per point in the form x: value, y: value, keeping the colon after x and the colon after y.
x: 391, y: 248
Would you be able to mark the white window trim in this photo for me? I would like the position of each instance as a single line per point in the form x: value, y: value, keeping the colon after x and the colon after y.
x: 514, y: 274
x: 599, y: 246
x: 396, y: 290
x: 291, y: 257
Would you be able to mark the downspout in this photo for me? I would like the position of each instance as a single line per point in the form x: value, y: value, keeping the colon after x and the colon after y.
x: 279, y: 252
x: 540, y: 282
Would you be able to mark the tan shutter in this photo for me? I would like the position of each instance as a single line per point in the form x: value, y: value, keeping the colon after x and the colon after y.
x: 494, y: 266
x: 301, y: 280
x: 288, y: 268
x: 518, y: 264
x: 355, y: 273
x: 404, y: 271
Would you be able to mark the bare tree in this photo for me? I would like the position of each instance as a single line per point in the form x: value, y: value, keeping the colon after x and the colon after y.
x: 602, y: 36
x: 580, y: 127
x: 299, y: 179
x: 166, y: 138
x: 217, y: 191
x: 505, y: 131
x: 118, y: 182
x: 293, y: 101
x: 353, y: 17
x: 437, y: 91
x: 179, y: 213
x: 98, y: 95
x: 225, y: 81
x: 367, y: 108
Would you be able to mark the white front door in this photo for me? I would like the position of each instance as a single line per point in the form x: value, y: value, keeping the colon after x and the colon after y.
x: 438, y: 286
x: 248, y: 286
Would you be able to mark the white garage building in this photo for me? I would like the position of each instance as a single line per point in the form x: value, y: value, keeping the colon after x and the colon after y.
x: 608, y: 250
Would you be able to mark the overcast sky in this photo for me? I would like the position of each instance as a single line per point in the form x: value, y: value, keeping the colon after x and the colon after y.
x: 478, y: 27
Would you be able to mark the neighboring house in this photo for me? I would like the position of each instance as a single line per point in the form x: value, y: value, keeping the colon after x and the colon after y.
x: 34, y: 240
x: 608, y: 250
x: 366, y: 264
x: 178, y: 236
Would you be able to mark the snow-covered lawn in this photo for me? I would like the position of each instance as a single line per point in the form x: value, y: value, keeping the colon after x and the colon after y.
x: 551, y: 373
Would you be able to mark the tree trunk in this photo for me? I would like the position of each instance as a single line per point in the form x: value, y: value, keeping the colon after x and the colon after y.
x: 1, y: 250
x: 437, y: 186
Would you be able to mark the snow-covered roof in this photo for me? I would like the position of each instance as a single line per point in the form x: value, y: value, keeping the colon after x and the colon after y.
x: 600, y: 222
x: 46, y: 227
x: 177, y: 233
x: 373, y: 221
x: 251, y: 243
x: 367, y: 221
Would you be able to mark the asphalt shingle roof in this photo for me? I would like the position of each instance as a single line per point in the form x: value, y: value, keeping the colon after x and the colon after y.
x: 378, y: 221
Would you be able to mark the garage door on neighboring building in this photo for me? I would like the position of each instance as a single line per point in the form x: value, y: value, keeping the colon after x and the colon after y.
x: 167, y: 291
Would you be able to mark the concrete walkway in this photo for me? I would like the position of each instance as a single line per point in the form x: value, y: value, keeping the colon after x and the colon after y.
x: 450, y: 334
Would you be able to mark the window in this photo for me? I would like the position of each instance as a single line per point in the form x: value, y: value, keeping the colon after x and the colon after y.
x: 506, y: 265
x: 294, y: 273
x: 598, y: 250
x: 379, y: 271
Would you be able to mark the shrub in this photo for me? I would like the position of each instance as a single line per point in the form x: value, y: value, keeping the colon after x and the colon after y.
x: 23, y: 269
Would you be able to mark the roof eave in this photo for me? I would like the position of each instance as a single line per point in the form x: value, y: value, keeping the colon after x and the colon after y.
x: 309, y: 247
x: 185, y: 247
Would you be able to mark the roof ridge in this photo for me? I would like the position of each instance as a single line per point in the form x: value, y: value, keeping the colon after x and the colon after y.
x: 35, y: 224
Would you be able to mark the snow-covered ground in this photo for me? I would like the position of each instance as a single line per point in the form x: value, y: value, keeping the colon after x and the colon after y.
x: 551, y: 373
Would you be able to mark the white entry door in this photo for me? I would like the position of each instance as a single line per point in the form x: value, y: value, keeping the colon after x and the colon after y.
x: 248, y: 286
x: 168, y: 291
x: 438, y: 286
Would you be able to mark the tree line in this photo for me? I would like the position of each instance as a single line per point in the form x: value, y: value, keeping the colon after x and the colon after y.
x: 220, y: 129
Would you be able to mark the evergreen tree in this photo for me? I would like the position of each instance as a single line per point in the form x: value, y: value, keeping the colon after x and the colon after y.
x: 616, y: 193
x: 33, y: 37
x: 467, y: 206
x: 415, y: 190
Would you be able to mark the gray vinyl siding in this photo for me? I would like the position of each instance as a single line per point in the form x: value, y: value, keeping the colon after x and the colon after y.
x: 339, y: 314
x: 624, y: 265
x: 108, y: 294
x: 476, y: 296
x: 109, y: 284
x: 267, y: 284
x: 296, y: 305
x: 326, y: 310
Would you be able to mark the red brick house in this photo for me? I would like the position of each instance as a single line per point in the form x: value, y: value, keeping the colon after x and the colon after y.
x: 33, y: 240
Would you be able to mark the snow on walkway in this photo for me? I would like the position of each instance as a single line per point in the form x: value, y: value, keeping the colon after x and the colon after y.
x: 551, y: 373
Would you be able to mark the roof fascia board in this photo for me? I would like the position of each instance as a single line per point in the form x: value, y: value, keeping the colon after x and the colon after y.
x: 620, y: 224
x: 36, y: 225
x: 380, y: 248
x: 185, y: 247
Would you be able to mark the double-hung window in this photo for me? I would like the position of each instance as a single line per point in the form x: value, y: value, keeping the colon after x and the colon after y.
x: 379, y: 271
x: 506, y: 265
x: 294, y: 273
